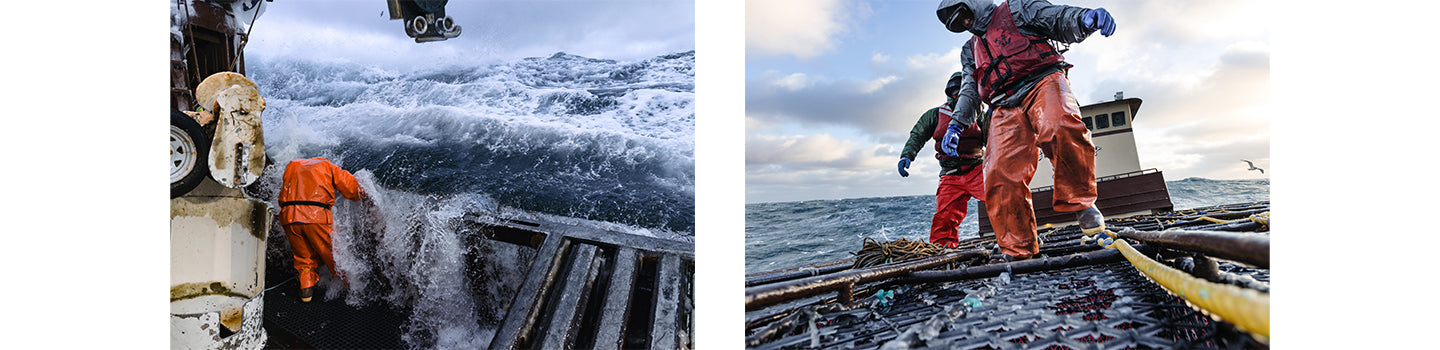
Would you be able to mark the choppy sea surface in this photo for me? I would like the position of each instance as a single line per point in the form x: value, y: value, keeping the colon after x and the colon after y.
x: 573, y: 139
x: 789, y: 234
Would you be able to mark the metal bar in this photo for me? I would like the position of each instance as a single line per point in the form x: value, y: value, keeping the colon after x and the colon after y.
x: 1245, y: 213
x: 845, y: 261
x: 1025, y: 266
x: 1248, y: 248
x: 1236, y: 226
x: 801, y: 273
x: 611, y: 333
x: 584, y: 267
x: 521, y: 315
x: 667, y: 303
x: 653, y: 244
x: 766, y: 295
x: 600, y: 237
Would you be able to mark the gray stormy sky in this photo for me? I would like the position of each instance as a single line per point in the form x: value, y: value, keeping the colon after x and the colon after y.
x: 361, y: 31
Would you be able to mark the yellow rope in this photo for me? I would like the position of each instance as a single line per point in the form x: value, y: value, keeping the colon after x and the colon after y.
x: 1247, y: 309
x: 1214, y: 220
x: 1262, y: 218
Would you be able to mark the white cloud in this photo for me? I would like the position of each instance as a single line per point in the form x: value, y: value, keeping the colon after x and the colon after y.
x: 883, y: 107
x: 877, y: 84
x: 929, y: 63
x: 793, y: 82
x: 803, y: 29
x: 810, y: 149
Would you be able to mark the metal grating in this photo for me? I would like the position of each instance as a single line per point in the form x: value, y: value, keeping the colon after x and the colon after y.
x: 330, y: 325
x: 1105, y: 306
x: 1111, y: 305
x: 598, y: 289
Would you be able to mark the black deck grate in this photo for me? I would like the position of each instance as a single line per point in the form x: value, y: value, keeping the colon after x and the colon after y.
x: 1106, y: 306
x: 1112, y: 305
x: 325, y: 324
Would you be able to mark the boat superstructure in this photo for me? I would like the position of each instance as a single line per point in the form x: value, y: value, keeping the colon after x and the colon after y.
x: 217, y: 231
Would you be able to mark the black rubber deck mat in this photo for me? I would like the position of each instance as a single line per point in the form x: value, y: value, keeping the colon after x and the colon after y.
x: 1109, y: 306
x: 322, y: 324
x: 1106, y: 306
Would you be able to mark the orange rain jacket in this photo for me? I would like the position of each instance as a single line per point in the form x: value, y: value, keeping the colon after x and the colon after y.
x: 309, y: 188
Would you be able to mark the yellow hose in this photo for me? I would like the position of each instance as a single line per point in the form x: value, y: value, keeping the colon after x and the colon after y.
x: 1247, y: 309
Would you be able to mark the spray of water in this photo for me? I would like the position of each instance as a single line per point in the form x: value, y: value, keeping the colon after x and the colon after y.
x: 595, y: 143
x: 419, y: 253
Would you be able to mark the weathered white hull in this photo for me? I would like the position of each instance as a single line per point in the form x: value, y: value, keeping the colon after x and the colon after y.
x: 202, y: 329
x: 217, y: 269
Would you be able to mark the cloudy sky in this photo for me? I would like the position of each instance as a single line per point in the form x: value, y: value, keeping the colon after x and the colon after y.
x: 834, y: 86
x: 362, y: 31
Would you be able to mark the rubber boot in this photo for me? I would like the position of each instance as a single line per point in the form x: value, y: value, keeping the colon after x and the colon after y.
x: 1091, y: 222
x: 306, y: 294
x: 1002, y: 258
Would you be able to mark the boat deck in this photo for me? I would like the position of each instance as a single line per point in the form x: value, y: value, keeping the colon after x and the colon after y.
x: 322, y: 324
x: 586, y: 288
x: 1075, y: 296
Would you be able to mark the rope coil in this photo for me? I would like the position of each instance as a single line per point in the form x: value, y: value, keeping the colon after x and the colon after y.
x: 874, y: 252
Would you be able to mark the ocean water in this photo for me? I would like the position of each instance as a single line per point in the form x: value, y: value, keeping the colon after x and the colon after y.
x: 568, y: 135
x: 571, y: 139
x: 788, y: 234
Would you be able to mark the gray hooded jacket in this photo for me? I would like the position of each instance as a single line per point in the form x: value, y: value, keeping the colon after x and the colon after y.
x: 1037, y: 18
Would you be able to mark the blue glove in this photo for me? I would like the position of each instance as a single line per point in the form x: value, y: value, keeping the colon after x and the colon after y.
x: 1099, y: 19
x: 951, y: 140
x: 904, y: 164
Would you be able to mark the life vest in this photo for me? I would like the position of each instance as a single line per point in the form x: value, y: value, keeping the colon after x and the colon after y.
x: 1005, y: 57
x: 971, y: 143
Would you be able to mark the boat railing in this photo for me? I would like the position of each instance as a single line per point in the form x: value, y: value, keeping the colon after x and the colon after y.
x: 1106, y: 178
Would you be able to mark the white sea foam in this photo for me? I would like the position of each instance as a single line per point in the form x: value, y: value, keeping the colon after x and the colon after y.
x: 442, y: 149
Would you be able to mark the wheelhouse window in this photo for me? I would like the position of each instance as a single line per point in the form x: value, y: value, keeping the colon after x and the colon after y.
x: 1102, y: 121
x: 1117, y: 119
x: 1089, y: 123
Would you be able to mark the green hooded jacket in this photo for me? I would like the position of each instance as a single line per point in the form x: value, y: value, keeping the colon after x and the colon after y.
x: 923, y: 132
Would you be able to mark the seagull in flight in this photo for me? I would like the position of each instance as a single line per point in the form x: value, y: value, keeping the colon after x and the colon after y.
x: 1253, y: 167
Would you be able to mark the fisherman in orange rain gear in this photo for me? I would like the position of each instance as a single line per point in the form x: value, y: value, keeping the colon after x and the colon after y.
x: 307, y: 192
x: 1022, y: 76
x: 960, y: 174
